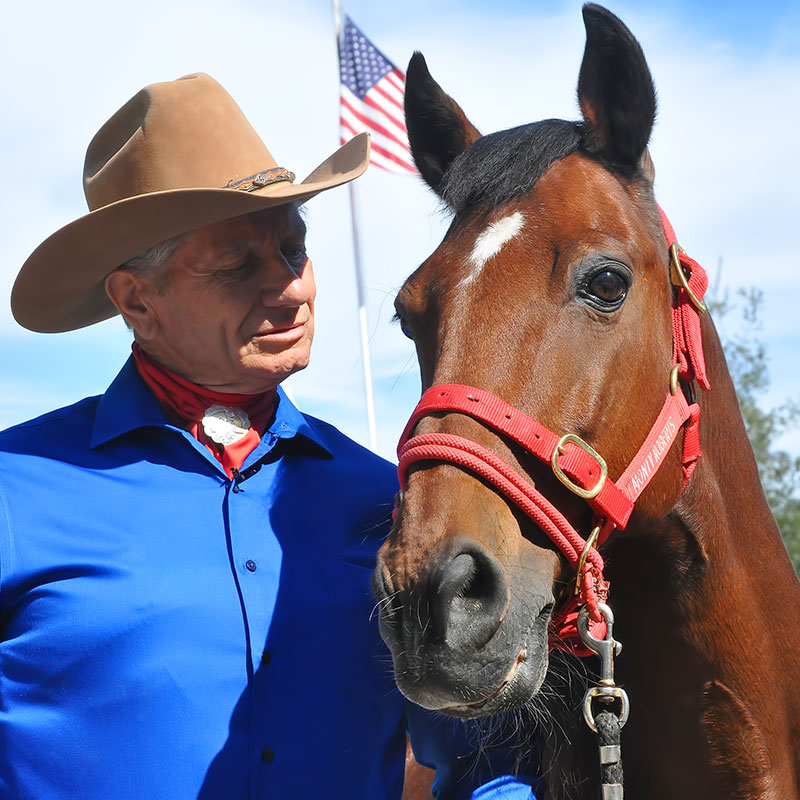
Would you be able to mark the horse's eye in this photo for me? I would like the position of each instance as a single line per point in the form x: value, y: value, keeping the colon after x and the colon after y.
x: 608, y: 287
x: 406, y: 330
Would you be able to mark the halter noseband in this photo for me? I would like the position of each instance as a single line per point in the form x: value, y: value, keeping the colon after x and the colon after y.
x: 573, y: 461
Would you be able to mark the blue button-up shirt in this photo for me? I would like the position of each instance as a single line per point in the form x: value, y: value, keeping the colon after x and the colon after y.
x: 166, y: 633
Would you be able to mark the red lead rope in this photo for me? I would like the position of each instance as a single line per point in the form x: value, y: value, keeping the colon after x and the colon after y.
x: 573, y: 461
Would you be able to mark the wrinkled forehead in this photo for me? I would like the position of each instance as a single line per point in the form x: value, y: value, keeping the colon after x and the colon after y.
x: 248, y: 230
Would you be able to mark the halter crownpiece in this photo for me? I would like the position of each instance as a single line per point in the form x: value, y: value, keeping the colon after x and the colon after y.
x: 573, y: 461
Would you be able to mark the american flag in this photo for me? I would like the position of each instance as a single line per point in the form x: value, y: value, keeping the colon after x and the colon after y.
x: 372, y: 100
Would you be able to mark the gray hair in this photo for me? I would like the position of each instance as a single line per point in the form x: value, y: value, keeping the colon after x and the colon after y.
x: 150, y: 262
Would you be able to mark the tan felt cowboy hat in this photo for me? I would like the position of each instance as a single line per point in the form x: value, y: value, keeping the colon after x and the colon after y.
x: 176, y: 156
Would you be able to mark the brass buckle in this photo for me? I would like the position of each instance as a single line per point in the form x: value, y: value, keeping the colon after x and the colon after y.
x: 590, y: 543
x: 586, y: 494
x: 678, y: 277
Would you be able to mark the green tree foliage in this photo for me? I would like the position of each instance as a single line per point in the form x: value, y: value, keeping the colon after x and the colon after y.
x: 747, y: 361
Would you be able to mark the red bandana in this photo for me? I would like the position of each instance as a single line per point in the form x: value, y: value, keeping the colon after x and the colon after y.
x: 188, y: 403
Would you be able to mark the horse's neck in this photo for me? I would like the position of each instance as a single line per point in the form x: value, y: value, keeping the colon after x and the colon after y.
x: 742, y: 578
x: 706, y: 603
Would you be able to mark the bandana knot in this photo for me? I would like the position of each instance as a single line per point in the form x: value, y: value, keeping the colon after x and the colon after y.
x: 229, y: 425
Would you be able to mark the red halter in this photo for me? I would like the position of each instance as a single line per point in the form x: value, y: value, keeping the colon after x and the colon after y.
x: 575, y: 463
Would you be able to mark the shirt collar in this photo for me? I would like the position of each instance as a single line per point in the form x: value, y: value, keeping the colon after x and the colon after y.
x: 128, y: 405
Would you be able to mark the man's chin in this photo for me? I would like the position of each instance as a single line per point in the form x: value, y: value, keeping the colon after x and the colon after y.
x: 263, y: 373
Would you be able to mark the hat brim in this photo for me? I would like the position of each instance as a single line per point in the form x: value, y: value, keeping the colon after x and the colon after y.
x: 61, y: 287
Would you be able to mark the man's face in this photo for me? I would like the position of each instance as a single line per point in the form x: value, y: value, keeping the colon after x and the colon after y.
x: 236, y: 312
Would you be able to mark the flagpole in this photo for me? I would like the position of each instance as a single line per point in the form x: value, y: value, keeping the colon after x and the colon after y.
x: 361, y: 294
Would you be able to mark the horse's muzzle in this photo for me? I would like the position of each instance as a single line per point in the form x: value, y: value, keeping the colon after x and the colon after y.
x: 458, y: 638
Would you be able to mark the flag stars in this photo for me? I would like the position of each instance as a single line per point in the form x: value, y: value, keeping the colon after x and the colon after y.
x: 362, y: 65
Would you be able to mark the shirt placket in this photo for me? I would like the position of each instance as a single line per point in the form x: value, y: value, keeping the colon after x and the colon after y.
x: 256, y: 559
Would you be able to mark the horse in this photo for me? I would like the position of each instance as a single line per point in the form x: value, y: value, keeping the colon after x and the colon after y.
x: 550, y: 324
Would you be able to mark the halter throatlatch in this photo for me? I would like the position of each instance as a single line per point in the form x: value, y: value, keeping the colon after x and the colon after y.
x: 573, y: 461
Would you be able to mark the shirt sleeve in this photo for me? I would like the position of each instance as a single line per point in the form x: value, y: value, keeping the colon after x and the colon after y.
x: 472, y: 763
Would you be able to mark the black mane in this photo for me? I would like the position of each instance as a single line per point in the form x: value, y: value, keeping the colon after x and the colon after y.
x: 501, y: 166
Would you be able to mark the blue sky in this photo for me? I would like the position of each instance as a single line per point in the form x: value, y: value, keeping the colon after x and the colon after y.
x: 724, y: 148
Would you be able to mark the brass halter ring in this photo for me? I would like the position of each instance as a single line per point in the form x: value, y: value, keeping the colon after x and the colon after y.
x: 679, y: 279
x: 673, y: 379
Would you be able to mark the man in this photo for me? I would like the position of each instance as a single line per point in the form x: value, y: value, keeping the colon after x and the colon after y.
x: 185, y: 560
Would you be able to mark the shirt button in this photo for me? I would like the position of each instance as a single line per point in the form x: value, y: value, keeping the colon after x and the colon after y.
x: 251, y: 565
x: 267, y: 755
x: 266, y: 657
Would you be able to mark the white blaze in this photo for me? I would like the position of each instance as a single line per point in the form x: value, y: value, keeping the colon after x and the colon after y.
x: 490, y: 241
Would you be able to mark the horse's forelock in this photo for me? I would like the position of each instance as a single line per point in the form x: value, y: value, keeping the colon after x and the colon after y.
x: 504, y: 165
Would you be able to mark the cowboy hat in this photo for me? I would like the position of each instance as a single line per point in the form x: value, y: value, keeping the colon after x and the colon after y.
x: 177, y: 156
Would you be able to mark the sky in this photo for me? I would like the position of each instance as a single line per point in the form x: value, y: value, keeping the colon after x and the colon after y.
x: 724, y: 148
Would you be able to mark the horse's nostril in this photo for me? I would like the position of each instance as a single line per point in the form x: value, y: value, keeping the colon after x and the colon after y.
x: 469, y: 596
x: 460, y: 577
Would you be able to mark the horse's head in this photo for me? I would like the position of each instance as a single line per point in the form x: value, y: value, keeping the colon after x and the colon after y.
x: 550, y: 290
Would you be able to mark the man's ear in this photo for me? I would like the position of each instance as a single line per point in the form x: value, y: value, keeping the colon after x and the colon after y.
x: 128, y: 292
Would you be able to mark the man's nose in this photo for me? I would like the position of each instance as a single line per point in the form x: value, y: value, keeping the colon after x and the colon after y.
x: 283, y: 284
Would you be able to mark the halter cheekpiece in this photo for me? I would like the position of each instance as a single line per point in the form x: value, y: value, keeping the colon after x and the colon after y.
x: 573, y: 461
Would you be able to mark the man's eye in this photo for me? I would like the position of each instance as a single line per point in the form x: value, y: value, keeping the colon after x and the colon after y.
x: 296, y: 256
x: 236, y: 270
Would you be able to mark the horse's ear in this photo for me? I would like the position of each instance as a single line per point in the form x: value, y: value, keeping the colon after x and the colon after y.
x: 646, y: 166
x: 615, y: 91
x: 438, y: 130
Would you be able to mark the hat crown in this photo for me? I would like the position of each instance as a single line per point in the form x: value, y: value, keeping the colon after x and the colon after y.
x: 182, y: 134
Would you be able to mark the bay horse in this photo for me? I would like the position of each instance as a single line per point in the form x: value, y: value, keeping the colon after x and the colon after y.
x: 559, y: 307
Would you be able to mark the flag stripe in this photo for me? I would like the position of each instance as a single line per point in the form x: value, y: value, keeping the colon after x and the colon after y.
x: 378, y: 113
x: 379, y: 160
x: 387, y: 105
x: 389, y: 165
x: 392, y: 88
x: 397, y: 78
x: 387, y: 97
x: 372, y: 93
x: 387, y: 147
x: 370, y: 122
x: 407, y: 166
x: 375, y: 112
x: 356, y: 125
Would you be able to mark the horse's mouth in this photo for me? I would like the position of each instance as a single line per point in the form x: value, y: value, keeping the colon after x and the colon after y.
x: 488, y: 705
